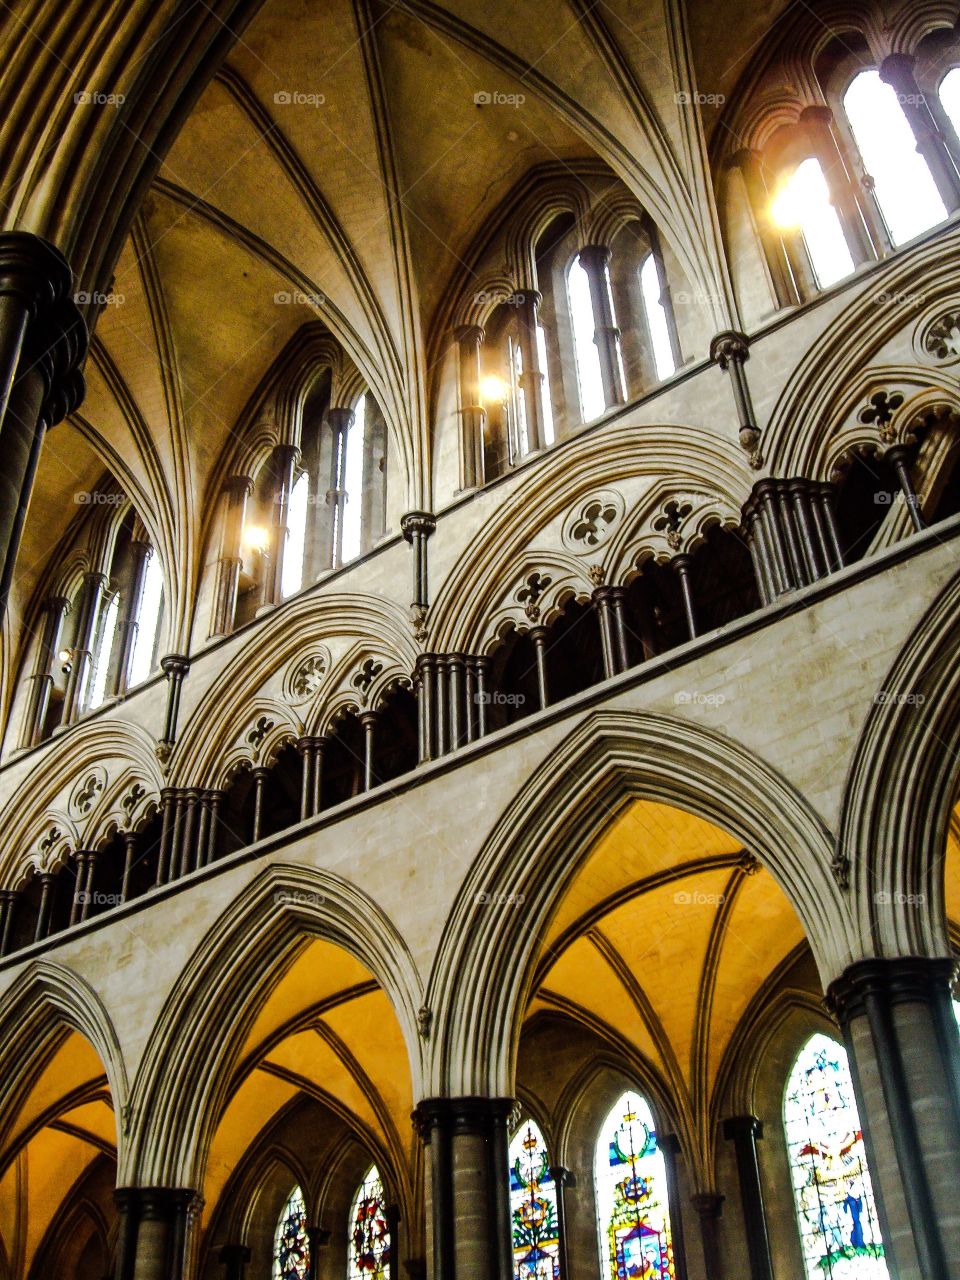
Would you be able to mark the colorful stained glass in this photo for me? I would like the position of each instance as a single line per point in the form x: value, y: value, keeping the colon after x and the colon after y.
x: 369, y: 1234
x: 836, y: 1211
x: 291, y: 1250
x: 631, y: 1183
x: 533, y: 1207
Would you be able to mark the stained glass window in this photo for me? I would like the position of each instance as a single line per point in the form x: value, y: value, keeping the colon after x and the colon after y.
x: 369, y: 1235
x: 533, y: 1208
x: 836, y: 1212
x: 632, y: 1211
x: 291, y: 1251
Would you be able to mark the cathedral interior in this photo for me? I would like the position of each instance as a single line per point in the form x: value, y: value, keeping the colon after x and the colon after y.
x: 479, y: 706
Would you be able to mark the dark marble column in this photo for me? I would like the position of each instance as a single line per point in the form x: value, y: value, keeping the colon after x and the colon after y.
x: 467, y: 1187
x: 898, y: 458
x: 234, y: 1258
x: 317, y: 1238
x: 562, y: 1179
x: 744, y: 1131
x: 174, y: 666
x: 731, y: 350
x: 709, y: 1207
x: 670, y: 1146
x: 43, y: 341
x: 8, y: 907
x: 538, y: 635
x: 897, y: 1020
x: 681, y: 566
x: 416, y: 527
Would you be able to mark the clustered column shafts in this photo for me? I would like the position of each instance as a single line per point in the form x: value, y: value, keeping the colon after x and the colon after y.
x: 608, y: 602
x: 791, y: 531
x: 8, y: 909
x: 472, y: 413
x: 451, y: 701
x: 896, y: 70
x: 153, y: 1231
x: 898, y: 1025
x: 43, y: 341
x: 466, y: 1157
x: 744, y: 1131
x: 595, y: 258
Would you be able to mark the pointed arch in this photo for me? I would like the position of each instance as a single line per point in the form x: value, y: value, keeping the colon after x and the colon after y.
x: 186, y: 1072
x: 546, y: 833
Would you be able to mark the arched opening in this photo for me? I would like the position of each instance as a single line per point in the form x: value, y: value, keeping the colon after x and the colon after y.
x: 395, y: 740
x: 311, y: 1148
x: 513, y: 689
x: 803, y: 204
x: 344, y: 761
x: 833, y: 1194
x: 58, y: 1169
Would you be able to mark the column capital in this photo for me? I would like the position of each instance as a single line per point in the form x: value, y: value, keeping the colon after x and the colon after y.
x: 318, y: 1236
x: 595, y: 254
x: 175, y: 664
x: 708, y: 1204
x: 897, y: 68
x: 742, y: 1126
x: 32, y: 270
x: 340, y: 417
x: 468, y: 333
x: 895, y: 980
x: 462, y: 1115
x: 238, y: 486
x: 818, y: 115
x: 417, y: 522
x: 562, y: 1176
x: 729, y: 347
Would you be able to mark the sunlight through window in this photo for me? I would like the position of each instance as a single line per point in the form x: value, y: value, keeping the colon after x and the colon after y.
x: 803, y: 203
x: 148, y: 622
x: 101, y: 661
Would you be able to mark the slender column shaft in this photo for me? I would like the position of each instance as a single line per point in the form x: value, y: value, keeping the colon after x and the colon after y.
x: 898, y: 460
x: 681, y: 564
x: 259, y: 781
x: 235, y: 494
x: 778, y: 263
x: 285, y: 459
x: 744, y: 1132
x: 472, y: 413
x: 531, y: 379
x: 594, y: 258
x: 130, y: 849
x: 836, y: 169
x: 709, y: 1207
x: 8, y: 907
x: 341, y: 420
x: 369, y: 722
x: 670, y: 1146
x: 43, y: 915
x: 77, y: 682
x: 129, y: 627
x: 897, y: 71
x: 539, y: 637
x: 41, y: 681
x: 608, y: 645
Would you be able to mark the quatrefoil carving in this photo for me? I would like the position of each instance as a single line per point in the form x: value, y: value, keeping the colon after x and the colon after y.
x: 364, y: 678
x: 879, y: 413
x: 261, y: 728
